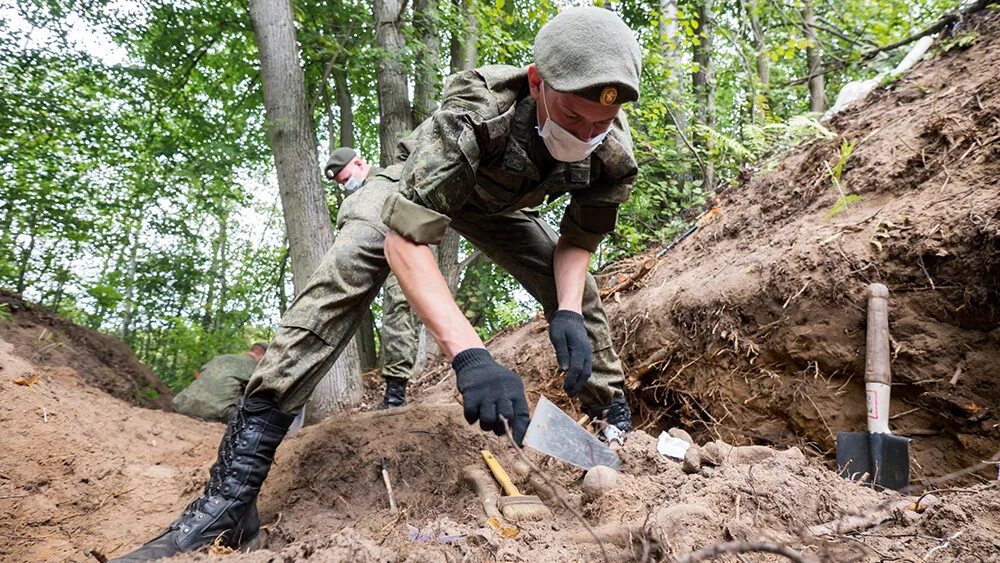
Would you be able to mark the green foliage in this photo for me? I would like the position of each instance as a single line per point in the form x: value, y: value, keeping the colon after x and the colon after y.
x: 958, y: 41
x: 846, y: 150
x: 4, y: 312
x: 843, y: 200
x: 135, y: 188
x: 841, y: 204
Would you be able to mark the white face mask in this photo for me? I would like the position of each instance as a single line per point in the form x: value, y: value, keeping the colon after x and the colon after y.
x: 563, y: 145
x: 352, y: 184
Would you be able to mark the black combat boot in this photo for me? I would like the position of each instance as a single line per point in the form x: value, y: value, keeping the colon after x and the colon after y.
x: 617, y: 416
x: 395, y: 392
x: 227, y: 508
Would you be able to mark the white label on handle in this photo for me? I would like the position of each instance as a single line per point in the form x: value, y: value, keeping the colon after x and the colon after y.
x: 877, y: 403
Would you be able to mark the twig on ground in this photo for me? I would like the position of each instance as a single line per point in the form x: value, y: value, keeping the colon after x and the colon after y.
x: 548, y: 482
x: 790, y: 299
x: 942, y: 546
x: 732, y: 548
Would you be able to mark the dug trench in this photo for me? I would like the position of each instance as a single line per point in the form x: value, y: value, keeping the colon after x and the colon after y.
x: 748, y: 333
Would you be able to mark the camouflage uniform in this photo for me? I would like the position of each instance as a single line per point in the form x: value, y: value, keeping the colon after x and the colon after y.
x: 475, y: 165
x: 214, y: 394
x: 400, y: 336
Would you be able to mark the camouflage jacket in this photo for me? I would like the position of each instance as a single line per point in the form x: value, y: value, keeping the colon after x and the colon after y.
x: 481, y: 149
x: 220, y: 385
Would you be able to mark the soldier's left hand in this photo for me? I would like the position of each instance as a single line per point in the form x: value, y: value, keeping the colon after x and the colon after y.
x: 574, y: 351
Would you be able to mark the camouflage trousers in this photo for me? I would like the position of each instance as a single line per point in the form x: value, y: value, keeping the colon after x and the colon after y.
x: 400, y: 336
x: 325, y: 315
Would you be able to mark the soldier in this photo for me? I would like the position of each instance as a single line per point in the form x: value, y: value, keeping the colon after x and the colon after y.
x: 219, y: 385
x: 503, y: 140
x: 400, y: 326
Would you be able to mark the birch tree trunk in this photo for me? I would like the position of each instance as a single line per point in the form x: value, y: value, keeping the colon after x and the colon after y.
x: 307, y: 219
x: 128, y: 304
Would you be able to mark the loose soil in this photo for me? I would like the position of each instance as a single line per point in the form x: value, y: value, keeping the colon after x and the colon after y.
x: 102, y: 361
x: 750, y: 333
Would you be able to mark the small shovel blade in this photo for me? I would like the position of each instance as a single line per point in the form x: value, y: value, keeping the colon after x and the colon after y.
x: 554, y: 433
x: 881, y: 459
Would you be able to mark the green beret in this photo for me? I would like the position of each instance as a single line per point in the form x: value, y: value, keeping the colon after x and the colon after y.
x: 338, y: 160
x: 589, y: 52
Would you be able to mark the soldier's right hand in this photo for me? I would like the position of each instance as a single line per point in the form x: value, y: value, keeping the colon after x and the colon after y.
x: 491, y: 391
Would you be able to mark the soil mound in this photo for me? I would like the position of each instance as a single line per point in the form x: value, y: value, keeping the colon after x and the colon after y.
x: 103, y: 361
x: 752, y: 330
x: 84, y: 476
x: 83, y: 471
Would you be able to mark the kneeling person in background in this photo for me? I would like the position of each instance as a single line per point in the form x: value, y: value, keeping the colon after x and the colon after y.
x: 215, y: 392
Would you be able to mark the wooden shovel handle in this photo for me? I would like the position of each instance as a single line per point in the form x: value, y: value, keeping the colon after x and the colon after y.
x: 500, y: 474
x: 877, y: 348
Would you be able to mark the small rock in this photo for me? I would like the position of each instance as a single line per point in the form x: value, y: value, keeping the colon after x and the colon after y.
x: 599, y: 480
x: 715, y: 453
x: 692, y: 460
x: 682, y: 434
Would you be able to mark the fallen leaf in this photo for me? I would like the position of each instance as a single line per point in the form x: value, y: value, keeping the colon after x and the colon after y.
x: 26, y: 381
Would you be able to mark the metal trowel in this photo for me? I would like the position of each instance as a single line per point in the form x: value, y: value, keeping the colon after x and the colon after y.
x: 554, y: 433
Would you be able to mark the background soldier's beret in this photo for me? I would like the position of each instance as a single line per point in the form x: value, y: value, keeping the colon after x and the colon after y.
x: 589, y: 52
x: 338, y: 160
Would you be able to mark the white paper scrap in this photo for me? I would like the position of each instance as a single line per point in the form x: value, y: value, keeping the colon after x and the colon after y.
x: 671, y: 447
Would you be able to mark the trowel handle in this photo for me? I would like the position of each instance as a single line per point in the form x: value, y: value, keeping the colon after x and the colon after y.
x: 878, y: 378
x: 500, y: 475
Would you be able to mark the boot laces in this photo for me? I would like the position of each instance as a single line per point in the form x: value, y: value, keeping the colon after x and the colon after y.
x: 221, y: 467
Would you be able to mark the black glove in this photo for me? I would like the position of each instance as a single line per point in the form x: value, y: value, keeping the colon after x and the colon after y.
x: 574, y: 352
x: 490, y: 391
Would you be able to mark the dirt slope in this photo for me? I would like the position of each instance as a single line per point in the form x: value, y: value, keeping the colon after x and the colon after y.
x: 81, y: 470
x: 753, y: 328
x: 103, y: 361
x: 84, y: 476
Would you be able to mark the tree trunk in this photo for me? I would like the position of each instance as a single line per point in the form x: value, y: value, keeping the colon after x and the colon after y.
x: 221, y: 272
x: 471, y: 42
x: 282, y: 296
x: 817, y: 89
x: 213, y: 276
x: 704, y: 87
x: 307, y: 219
x: 127, y: 301
x: 331, y: 128
x: 427, y: 80
x: 759, y: 102
x: 673, y: 71
x: 393, y: 88
x: 22, y: 270
x: 346, y: 107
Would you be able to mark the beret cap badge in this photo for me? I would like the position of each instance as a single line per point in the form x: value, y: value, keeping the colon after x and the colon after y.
x: 609, y: 95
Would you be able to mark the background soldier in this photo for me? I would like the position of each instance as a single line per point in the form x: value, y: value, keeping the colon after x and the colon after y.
x: 219, y: 385
x: 400, y: 337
